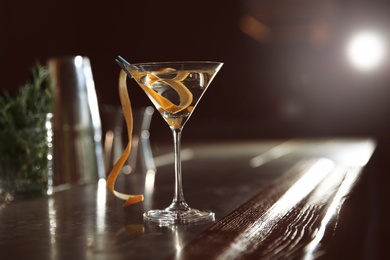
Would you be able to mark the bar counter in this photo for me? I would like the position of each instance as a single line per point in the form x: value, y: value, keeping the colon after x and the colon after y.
x: 273, y: 199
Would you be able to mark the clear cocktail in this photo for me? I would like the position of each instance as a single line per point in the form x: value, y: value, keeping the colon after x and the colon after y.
x: 175, y: 89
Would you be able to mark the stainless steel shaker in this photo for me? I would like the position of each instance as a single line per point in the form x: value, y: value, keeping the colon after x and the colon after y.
x: 77, y: 145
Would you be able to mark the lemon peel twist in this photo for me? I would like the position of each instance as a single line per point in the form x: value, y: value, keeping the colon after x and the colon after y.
x: 185, y: 101
x: 128, y: 114
x: 183, y: 92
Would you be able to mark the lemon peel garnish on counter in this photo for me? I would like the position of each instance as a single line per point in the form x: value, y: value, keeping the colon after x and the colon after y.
x: 128, y: 114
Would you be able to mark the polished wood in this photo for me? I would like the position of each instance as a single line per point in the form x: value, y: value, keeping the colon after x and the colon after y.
x: 273, y: 200
x: 287, y: 220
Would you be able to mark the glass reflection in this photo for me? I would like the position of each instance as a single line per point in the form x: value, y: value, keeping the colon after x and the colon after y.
x: 52, y: 220
x: 149, y: 188
x: 101, y: 206
x: 178, y: 241
x: 52, y: 217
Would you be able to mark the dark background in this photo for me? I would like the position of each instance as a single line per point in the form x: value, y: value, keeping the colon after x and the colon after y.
x: 296, y: 82
x: 290, y: 79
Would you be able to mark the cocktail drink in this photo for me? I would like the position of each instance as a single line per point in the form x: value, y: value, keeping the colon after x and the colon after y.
x: 174, y: 92
x: 175, y: 89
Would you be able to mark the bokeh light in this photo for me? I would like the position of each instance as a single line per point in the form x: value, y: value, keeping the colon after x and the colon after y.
x: 366, y: 50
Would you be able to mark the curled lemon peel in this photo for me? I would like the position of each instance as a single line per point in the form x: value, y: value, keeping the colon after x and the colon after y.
x: 183, y: 92
x: 128, y: 114
x: 185, y: 102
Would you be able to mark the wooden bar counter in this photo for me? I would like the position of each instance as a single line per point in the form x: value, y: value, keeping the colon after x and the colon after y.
x: 273, y: 199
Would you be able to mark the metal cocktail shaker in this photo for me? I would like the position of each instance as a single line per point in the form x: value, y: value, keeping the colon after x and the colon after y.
x: 77, y: 145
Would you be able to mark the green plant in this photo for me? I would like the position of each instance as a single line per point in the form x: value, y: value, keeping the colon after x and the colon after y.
x: 23, y: 144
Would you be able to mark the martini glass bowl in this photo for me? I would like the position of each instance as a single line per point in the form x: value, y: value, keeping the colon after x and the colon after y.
x: 175, y: 89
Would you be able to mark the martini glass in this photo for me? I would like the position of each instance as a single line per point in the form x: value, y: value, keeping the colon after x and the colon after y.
x: 175, y: 89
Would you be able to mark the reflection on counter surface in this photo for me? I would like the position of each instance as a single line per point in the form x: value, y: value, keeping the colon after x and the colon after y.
x: 292, y: 69
x: 284, y: 207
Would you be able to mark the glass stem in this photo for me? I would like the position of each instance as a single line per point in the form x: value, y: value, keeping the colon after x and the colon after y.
x: 178, y: 202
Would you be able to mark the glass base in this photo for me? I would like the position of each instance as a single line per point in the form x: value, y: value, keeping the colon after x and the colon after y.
x: 189, y: 216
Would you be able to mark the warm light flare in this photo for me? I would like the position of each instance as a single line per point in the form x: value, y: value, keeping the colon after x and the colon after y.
x: 366, y: 50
